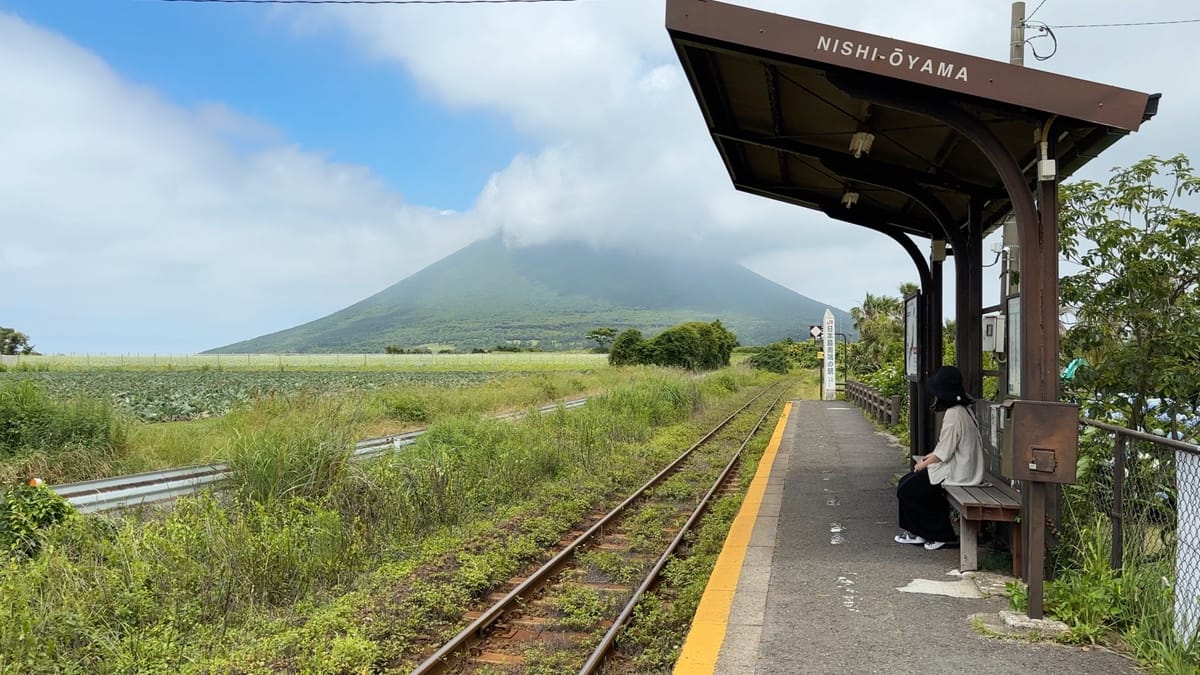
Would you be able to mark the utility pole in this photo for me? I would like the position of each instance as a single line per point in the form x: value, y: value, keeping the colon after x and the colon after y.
x: 1038, y: 499
x: 1016, y: 43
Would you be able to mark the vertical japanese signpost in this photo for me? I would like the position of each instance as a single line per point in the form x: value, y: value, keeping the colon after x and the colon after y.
x: 830, y: 378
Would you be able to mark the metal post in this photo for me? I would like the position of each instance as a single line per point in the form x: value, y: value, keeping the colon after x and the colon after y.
x: 1036, y: 553
x: 1118, y: 505
x: 915, y: 427
x: 933, y: 353
x: 935, y: 307
x: 1016, y: 42
x: 968, y: 272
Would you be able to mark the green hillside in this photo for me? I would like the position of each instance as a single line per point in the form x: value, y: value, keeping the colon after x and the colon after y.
x: 487, y: 294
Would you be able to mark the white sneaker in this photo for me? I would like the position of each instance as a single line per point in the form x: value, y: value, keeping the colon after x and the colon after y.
x: 906, y: 538
x: 934, y: 545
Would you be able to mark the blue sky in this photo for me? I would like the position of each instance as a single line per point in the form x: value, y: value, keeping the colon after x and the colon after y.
x: 311, y: 86
x: 176, y: 177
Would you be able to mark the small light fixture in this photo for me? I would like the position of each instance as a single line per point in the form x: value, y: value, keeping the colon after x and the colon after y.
x: 849, y: 197
x: 860, y: 143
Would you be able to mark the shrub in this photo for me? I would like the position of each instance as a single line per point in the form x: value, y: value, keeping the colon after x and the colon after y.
x: 24, y: 510
x: 773, y: 358
x: 628, y: 349
x: 694, y: 345
x: 680, y: 346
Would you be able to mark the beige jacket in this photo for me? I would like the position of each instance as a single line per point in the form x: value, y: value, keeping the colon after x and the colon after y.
x: 960, y: 448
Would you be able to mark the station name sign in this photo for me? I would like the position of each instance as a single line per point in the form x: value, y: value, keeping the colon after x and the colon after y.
x: 895, y: 57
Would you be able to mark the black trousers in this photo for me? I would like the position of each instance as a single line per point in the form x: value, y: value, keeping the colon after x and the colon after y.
x: 924, y: 510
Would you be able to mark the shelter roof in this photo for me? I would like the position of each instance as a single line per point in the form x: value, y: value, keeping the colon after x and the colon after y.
x: 783, y: 99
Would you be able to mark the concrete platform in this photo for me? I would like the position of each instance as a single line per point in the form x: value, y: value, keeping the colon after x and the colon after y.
x: 810, y: 580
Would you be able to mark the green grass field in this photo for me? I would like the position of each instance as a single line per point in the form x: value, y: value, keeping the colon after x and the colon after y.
x: 492, y: 362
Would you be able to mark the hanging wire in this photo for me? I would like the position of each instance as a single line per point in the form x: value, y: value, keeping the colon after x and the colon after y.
x: 1132, y: 23
x: 1044, y: 32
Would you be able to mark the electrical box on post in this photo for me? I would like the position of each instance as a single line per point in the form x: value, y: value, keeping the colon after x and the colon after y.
x: 993, y: 333
x: 989, y: 333
x: 1040, y: 441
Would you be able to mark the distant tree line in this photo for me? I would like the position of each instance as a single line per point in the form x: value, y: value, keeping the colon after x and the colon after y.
x: 512, y: 347
x: 393, y: 349
x: 515, y: 348
x: 694, y: 345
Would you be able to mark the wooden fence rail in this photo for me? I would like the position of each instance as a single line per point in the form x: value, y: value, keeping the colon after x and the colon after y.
x: 886, y: 409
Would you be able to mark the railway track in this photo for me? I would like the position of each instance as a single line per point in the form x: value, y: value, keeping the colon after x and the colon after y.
x: 156, y: 487
x: 533, y: 614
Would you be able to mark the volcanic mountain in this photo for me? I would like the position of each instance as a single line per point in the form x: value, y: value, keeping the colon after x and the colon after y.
x: 550, y: 296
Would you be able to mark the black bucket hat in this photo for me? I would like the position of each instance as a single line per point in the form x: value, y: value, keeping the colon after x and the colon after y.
x: 946, y: 385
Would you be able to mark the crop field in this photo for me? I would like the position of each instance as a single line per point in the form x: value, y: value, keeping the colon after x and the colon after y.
x: 161, y: 396
x: 492, y: 362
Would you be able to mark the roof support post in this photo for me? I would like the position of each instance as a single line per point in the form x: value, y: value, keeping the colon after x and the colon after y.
x: 1047, y: 290
x: 968, y: 274
x: 920, y: 418
x: 933, y: 344
x: 936, y: 334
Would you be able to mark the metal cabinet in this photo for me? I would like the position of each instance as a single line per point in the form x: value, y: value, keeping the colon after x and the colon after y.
x: 1040, y: 441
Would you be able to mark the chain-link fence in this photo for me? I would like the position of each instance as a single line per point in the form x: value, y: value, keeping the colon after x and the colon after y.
x: 1131, y: 528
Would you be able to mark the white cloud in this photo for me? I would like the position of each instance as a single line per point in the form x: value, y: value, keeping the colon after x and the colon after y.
x: 626, y: 158
x: 196, y: 227
x: 132, y: 224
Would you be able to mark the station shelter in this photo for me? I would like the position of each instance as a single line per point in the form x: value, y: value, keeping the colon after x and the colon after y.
x: 935, y: 150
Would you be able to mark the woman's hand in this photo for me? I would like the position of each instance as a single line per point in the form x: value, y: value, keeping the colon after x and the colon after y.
x: 926, y: 461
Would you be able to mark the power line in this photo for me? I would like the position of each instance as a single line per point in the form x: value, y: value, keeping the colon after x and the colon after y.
x: 1134, y: 23
x: 1035, y: 10
x: 366, y: 2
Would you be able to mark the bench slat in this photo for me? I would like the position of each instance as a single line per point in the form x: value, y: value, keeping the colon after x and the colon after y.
x: 982, y: 495
x: 976, y: 502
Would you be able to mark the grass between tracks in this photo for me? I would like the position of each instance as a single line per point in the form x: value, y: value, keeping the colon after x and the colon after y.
x: 317, y: 564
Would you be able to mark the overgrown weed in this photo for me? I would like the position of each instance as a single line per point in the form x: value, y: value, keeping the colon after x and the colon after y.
x: 49, y: 438
x: 308, y: 565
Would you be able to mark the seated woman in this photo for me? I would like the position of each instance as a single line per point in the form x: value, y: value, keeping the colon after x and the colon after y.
x: 957, y: 460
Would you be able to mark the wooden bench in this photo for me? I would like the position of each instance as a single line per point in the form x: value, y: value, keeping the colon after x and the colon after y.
x: 993, y: 501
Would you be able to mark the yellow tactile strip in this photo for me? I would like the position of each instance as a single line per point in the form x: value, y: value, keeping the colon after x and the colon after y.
x: 703, y: 644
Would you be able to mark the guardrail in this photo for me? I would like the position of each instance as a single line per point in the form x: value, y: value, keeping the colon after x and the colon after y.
x: 885, y: 409
x: 143, y: 489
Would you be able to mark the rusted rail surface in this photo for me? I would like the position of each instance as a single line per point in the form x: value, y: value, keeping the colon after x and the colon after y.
x: 492, y: 637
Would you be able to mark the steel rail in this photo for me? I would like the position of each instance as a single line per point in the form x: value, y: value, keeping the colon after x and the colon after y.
x: 606, y: 643
x: 152, y: 487
x: 438, y: 661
